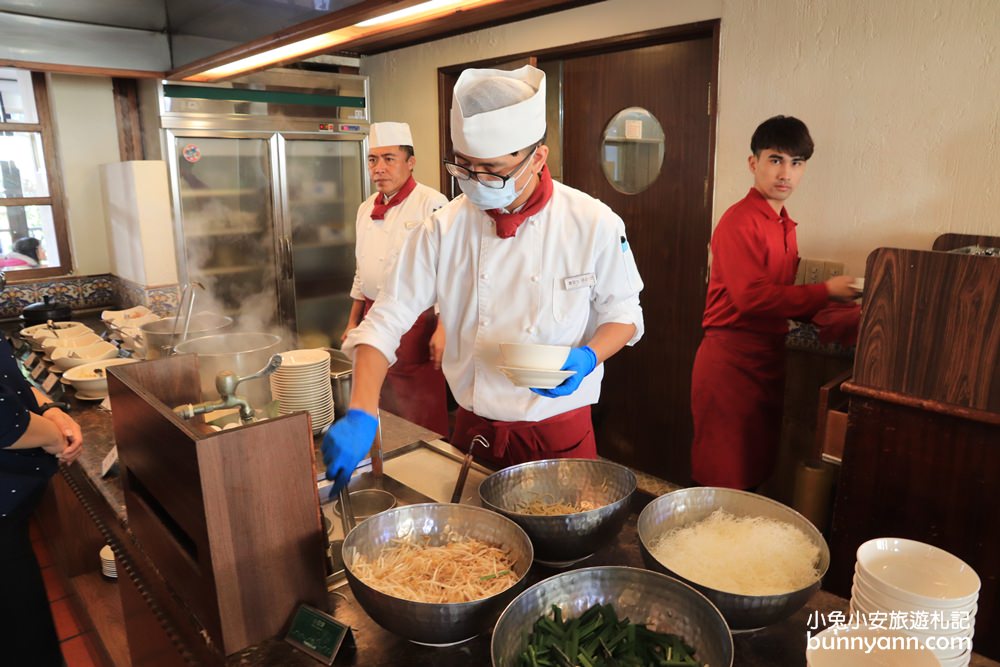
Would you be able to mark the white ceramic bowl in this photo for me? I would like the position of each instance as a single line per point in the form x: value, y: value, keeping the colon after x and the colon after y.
x: 83, y: 340
x: 873, y: 599
x: 118, y: 317
x: 534, y: 357
x: 305, y: 358
x: 91, y: 379
x: 66, y: 358
x: 918, y: 573
x: 833, y: 648
x: 40, y: 332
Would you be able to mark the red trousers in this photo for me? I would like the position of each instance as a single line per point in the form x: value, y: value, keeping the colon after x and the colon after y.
x: 566, y: 436
x: 414, y: 389
x: 737, y: 396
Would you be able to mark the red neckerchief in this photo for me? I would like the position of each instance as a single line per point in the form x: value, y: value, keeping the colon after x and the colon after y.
x: 507, y: 223
x: 379, y: 210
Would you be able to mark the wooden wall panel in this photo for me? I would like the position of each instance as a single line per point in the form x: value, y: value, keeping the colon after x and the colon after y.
x: 931, y: 327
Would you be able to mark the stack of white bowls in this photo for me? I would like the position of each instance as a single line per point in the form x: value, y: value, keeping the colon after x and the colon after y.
x: 302, y: 382
x: 108, y: 567
x: 924, y: 586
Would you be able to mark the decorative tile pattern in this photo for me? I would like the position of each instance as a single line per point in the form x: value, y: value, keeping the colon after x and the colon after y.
x: 97, y: 290
x: 16, y: 297
x: 805, y: 336
x: 162, y: 300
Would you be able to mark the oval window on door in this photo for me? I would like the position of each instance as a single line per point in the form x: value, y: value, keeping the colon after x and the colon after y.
x: 632, y: 150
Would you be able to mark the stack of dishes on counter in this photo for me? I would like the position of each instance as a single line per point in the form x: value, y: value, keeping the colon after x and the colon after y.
x: 64, y: 331
x: 534, y: 366
x: 932, y: 594
x: 302, y: 382
x: 124, y: 325
x: 108, y: 568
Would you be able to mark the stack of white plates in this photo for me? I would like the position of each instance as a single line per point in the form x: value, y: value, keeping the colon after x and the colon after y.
x: 108, y: 568
x: 932, y: 594
x: 302, y: 382
x: 864, y: 646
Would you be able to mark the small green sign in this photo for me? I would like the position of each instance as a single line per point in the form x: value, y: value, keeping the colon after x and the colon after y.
x: 318, y: 634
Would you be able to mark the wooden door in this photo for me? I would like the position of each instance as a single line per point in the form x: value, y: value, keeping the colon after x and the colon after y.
x: 644, y: 416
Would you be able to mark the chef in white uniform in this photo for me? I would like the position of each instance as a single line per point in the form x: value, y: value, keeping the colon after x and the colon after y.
x: 517, y: 258
x: 415, y: 387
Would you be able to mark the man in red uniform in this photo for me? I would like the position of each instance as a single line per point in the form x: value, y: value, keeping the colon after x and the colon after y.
x: 737, y: 386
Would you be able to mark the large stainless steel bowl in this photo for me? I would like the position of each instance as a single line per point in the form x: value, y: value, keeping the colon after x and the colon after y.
x: 241, y: 353
x: 424, y: 622
x: 662, y: 602
x: 563, y: 538
x: 687, y: 506
x: 160, y: 336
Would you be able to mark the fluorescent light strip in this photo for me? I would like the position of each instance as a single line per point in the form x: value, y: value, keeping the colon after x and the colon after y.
x: 429, y: 6
x: 424, y: 11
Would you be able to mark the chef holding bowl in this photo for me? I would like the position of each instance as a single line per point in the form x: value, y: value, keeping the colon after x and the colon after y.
x: 518, y: 258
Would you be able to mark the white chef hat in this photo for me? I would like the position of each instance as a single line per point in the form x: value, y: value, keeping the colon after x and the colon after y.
x: 497, y: 111
x: 389, y: 134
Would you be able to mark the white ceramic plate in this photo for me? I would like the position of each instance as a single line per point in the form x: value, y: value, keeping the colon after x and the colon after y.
x: 305, y: 357
x: 535, y: 379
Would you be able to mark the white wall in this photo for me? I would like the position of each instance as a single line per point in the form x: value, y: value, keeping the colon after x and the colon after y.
x: 902, y: 98
x: 404, y: 82
x: 86, y: 135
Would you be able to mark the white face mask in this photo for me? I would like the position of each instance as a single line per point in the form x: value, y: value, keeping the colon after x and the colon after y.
x: 486, y: 198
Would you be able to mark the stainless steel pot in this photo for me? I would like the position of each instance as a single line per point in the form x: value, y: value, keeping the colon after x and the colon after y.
x: 341, y: 369
x: 160, y: 336
x: 242, y: 353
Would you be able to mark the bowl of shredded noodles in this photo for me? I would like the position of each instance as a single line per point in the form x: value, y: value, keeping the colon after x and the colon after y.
x: 757, y: 560
x: 569, y: 508
x: 436, y: 573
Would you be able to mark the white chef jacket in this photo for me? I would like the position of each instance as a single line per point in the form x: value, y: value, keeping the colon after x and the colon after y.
x: 568, y: 270
x: 379, y: 241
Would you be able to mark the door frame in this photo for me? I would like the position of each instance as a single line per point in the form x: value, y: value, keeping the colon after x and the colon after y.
x: 678, y: 33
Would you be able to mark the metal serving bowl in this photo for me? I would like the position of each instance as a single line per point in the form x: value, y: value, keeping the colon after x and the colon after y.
x: 563, y: 539
x: 424, y: 622
x: 662, y: 602
x: 688, y: 506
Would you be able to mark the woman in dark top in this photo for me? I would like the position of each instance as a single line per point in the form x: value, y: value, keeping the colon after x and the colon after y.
x: 33, y: 439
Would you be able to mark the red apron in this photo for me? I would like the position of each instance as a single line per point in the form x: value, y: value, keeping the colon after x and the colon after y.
x: 414, y: 389
x: 566, y: 436
x: 737, y: 395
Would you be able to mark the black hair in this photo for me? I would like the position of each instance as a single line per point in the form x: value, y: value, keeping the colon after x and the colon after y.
x: 407, y: 149
x: 783, y: 133
x: 27, y: 246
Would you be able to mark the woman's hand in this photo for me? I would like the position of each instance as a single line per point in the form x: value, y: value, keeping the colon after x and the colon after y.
x: 70, y: 431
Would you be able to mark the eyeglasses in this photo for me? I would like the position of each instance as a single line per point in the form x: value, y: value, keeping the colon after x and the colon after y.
x: 487, y: 178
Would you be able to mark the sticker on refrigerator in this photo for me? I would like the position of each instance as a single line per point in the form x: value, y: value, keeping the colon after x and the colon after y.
x: 191, y: 153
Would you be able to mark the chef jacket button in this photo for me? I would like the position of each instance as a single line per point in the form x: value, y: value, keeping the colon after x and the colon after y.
x: 534, y: 279
x: 484, y: 275
x: 486, y: 323
x: 530, y: 330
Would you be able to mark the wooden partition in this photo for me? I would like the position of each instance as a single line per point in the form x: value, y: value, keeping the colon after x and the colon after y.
x: 230, y: 519
x: 922, y: 450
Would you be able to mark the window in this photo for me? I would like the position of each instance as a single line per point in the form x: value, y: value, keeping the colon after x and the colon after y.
x: 30, y: 190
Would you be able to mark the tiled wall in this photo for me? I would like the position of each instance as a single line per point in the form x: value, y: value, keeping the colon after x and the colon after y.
x: 98, y: 291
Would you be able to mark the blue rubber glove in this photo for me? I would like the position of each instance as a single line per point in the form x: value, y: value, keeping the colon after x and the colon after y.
x: 583, y: 360
x: 345, y: 444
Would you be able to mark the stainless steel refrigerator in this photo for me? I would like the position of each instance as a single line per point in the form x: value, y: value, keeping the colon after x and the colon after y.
x: 267, y: 173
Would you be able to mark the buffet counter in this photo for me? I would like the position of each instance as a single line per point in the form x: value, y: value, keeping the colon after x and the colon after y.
x: 103, y: 501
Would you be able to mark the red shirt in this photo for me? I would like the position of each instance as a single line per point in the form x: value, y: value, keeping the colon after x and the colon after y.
x: 754, y: 259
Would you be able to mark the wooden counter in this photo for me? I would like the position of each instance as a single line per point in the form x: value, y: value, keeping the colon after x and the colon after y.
x: 85, y: 510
